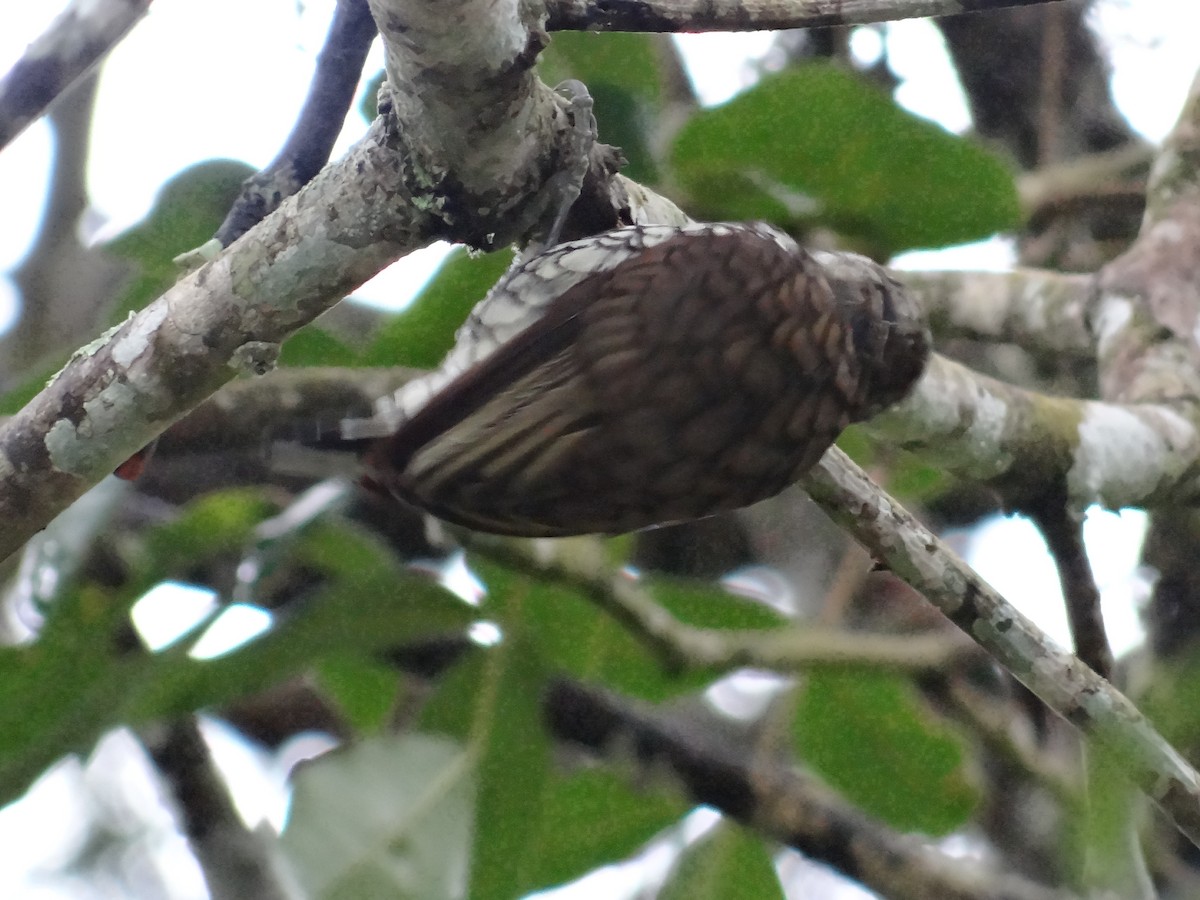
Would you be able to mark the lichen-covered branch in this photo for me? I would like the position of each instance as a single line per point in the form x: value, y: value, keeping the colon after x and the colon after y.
x: 483, y: 144
x: 117, y: 394
x: 1147, y: 311
x: 750, y: 15
x: 1065, y: 684
x: 1023, y: 442
x: 79, y: 38
x: 1042, y: 311
x: 389, y: 195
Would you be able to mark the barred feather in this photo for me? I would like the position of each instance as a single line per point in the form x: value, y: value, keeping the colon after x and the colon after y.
x: 647, y: 375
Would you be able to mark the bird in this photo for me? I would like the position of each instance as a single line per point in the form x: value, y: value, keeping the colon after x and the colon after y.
x: 647, y: 375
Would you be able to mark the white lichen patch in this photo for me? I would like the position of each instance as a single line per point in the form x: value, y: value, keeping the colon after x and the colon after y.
x: 949, y: 403
x: 255, y: 357
x: 89, y: 349
x: 988, y: 428
x: 1123, y: 456
x: 137, y: 341
x: 83, y: 449
x: 1112, y: 315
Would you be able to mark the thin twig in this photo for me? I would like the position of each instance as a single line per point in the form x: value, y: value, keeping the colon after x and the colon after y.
x: 236, y: 862
x: 1064, y: 539
x: 78, y: 39
x: 995, y: 728
x: 307, y: 148
x: 581, y: 564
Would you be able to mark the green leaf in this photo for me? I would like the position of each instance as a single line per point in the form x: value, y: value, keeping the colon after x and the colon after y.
x: 818, y: 144
x: 422, y: 334
x: 594, y: 818
x: 313, y: 346
x: 388, y: 817
x: 868, y: 737
x: 915, y: 480
x: 574, y: 636
x: 364, y: 690
x: 537, y: 829
x: 492, y: 701
x: 362, y: 603
x: 220, y: 522
x: 80, y: 679
x: 708, y: 605
x: 57, y: 696
x: 728, y: 863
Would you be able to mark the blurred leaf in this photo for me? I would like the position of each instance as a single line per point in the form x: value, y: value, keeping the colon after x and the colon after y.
x: 220, y: 522
x: 423, y: 333
x: 574, y: 636
x: 57, y: 695
x: 491, y: 702
x: 868, y: 737
x: 187, y: 212
x: 820, y: 144
x: 549, y: 829
x: 313, y: 346
x: 81, y: 679
x: 854, y: 442
x: 621, y: 71
x: 914, y: 480
x: 1171, y: 697
x: 594, y: 818
x: 708, y: 605
x: 363, y: 690
x: 728, y: 863
x: 627, y: 60
x: 361, y: 603
x: 387, y: 817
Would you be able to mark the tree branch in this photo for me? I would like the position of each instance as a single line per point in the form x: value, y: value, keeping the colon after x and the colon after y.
x: 1040, y: 310
x: 1063, y: 683
x: 1063, y: 532
x: 394, y: 192
x: 1024, y: 443
x: 236, y: 862
x: 750, y: 15
x: 778, y: 801
x: 79, y: 38
x: 1147, y: 311
x: 582, y: 564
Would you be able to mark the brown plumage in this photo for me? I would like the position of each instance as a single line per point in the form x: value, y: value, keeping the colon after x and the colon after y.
x: 689, y: 371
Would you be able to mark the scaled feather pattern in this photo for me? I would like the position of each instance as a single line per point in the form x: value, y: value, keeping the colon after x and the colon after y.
x: 650, y: 374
